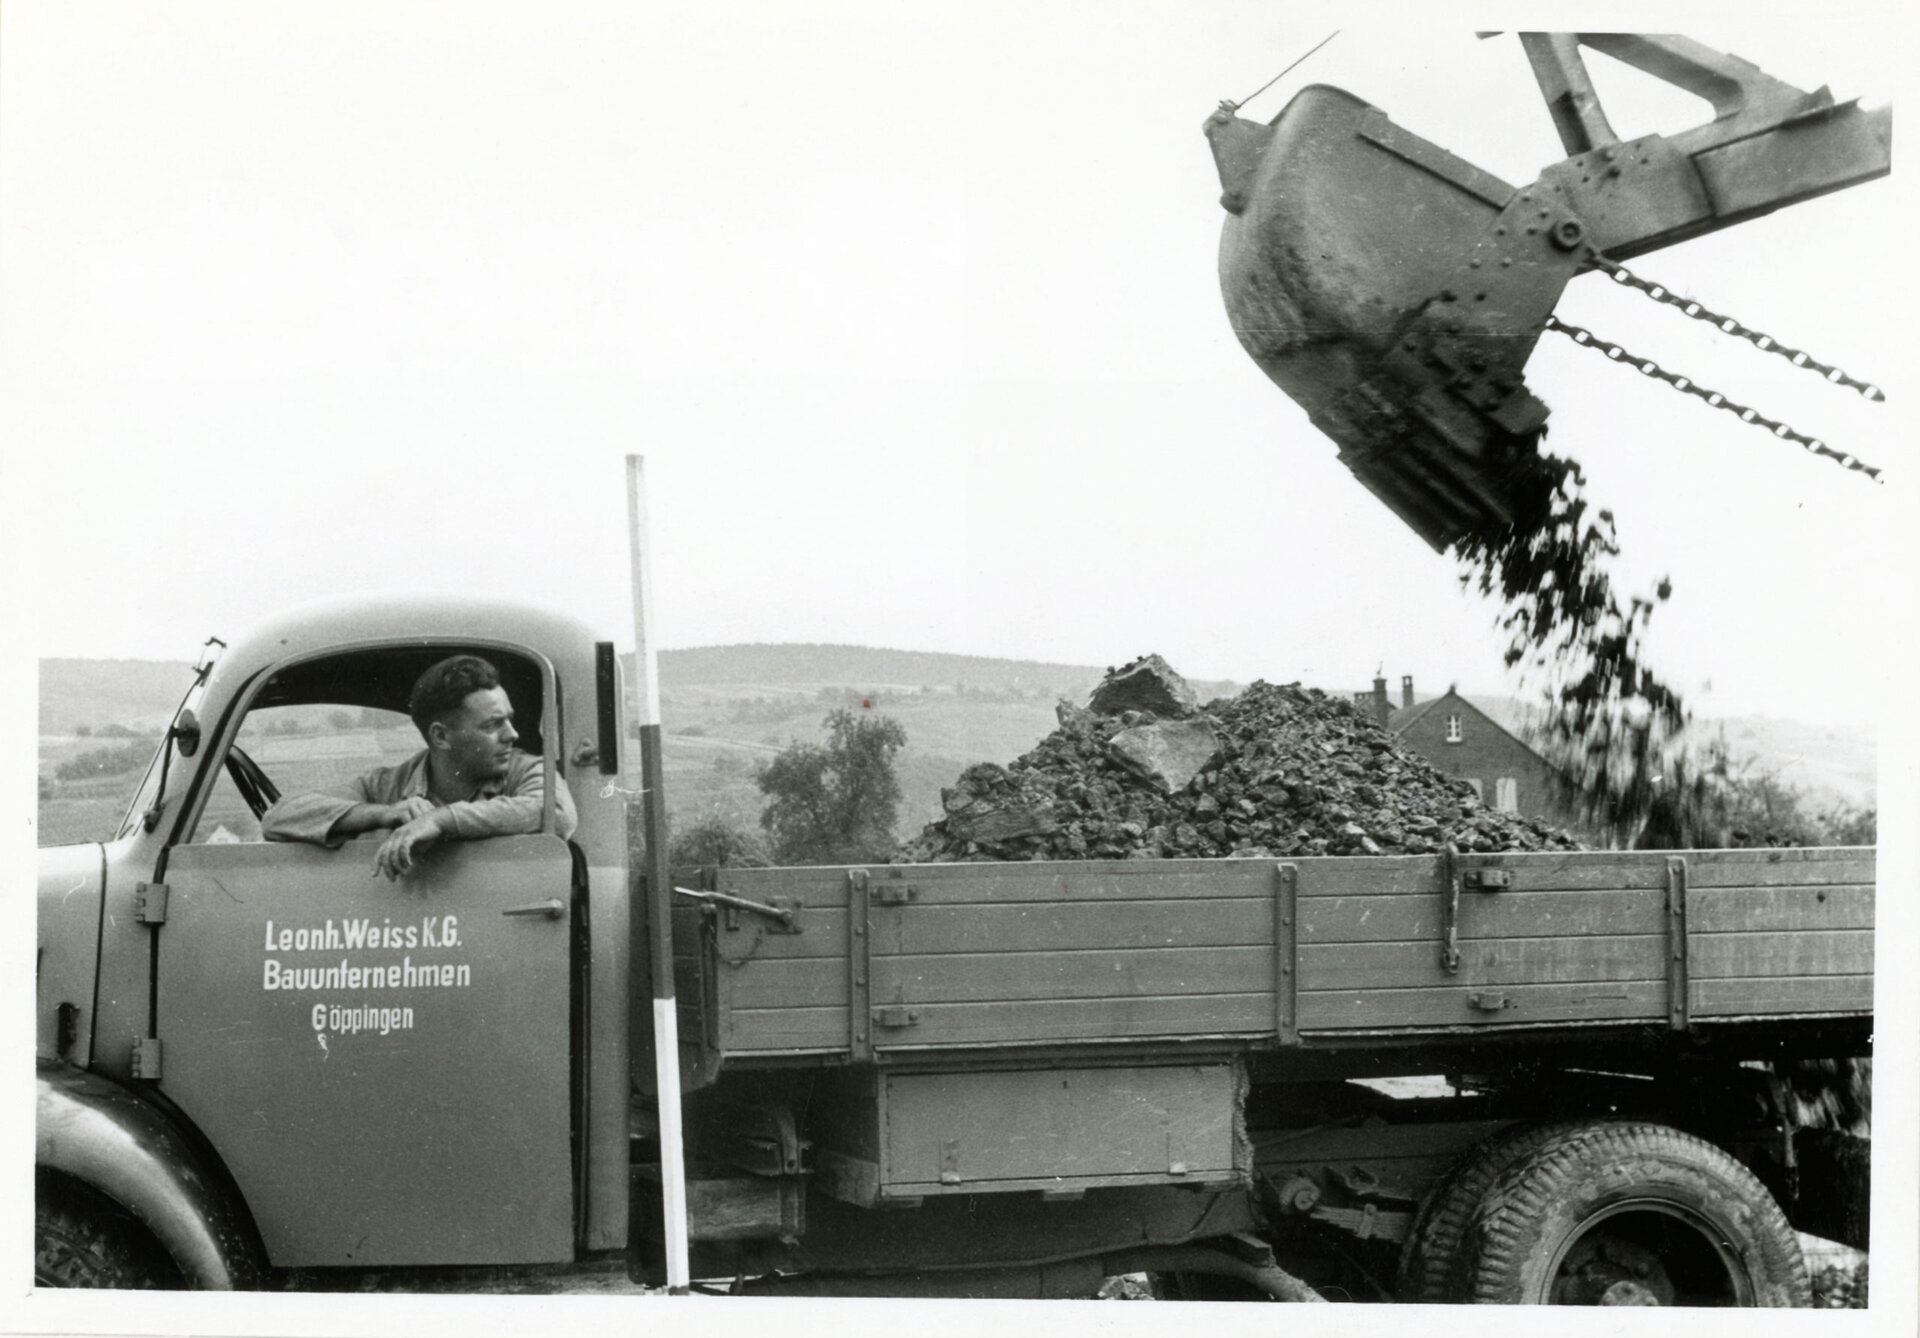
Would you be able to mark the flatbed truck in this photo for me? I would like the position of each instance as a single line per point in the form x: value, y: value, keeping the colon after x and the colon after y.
x: 259, y: 1066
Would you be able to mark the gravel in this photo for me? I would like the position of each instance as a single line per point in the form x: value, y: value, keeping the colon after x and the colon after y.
x: 1295, y: 773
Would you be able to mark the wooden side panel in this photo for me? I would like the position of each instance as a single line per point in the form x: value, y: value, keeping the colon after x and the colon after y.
x: 1573, y: 939
x: 1017, y: 954
x: 779, y: 991
x: 1058, y: 953
x: 1781, y: 931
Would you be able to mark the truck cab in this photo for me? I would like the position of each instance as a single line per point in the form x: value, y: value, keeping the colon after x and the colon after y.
x: 323, y: 1068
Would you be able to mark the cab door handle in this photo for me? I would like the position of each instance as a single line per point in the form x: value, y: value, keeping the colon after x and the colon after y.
x: 553, y: 908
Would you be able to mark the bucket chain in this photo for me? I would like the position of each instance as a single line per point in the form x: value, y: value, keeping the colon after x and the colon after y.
x: 1648, y: 367
x: 1766, y: 343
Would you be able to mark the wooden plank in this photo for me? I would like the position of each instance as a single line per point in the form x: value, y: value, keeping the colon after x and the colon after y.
x: 1483, y: 914
x: 1055, y: 926
x: 1834, y: 952
x: 772, y: 983
x: 1512, y: 961
x: 1778, y: 868
x: 1027, y: 976
x: 1404, y: 875
x: 1141, y: 880
x: 1823, y: 906
x: 1782, y: 996
x: 763, y: 1030
x: 1047, y: 1020
x: 1418, y: 1009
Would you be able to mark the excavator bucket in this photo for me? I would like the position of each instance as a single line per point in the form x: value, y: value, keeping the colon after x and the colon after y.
x: 1396, y: 291
x: 1340, y: 229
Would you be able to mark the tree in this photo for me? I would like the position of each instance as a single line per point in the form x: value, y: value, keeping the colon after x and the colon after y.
x: 835, y: 804
x: 715, y: 841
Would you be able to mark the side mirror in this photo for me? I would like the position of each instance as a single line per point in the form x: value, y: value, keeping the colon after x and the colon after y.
x: 186, y: 733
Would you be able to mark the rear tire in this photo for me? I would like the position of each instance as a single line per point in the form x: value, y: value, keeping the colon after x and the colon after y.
x: 1602, y: 1213
x: 1431, y: 1270
x: 80, y: 1239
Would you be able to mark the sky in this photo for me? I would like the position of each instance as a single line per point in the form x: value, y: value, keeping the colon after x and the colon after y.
x: 912, y: 311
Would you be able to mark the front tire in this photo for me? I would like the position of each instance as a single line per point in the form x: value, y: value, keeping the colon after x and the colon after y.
x: 82, y: 1240
x: 1604, y: 1213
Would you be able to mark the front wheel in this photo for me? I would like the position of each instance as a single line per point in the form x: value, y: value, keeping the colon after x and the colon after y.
x: 1631, y: 1214
x: 81, y: 1240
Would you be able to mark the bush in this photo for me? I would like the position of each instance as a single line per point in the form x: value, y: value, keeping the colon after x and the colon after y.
x: 1732, y: 803
x: 106, y: 761
x: 716, y: 841
x: 835, y: 804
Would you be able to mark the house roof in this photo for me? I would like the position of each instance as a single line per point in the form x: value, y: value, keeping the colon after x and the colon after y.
x: 1407, y: 716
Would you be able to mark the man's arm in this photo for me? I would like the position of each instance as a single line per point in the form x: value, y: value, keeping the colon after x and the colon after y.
x: 330, y: 820
x: 515, y: 813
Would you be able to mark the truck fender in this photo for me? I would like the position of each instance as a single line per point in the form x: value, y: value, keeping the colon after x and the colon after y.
x: 101, y: 1134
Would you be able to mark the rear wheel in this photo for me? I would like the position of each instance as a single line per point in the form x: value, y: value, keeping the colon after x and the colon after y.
x: 1431, y: 1270
x: 1630, y: 1214
x: 82, y: 1240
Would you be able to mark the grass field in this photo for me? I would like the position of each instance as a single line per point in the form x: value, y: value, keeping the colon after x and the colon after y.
x: 716, y: 738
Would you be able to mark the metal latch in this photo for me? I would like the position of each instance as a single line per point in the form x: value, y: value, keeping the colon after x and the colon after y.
x: 1488, y: 1002
x: 895, y: 1015
x: 784, y: 912
x: 892, y: 894
x: 1487, y: 880
x: 150, y: 903
x: 146, y: 1058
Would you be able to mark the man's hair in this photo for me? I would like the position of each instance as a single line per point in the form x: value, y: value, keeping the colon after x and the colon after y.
x: 441, y: 690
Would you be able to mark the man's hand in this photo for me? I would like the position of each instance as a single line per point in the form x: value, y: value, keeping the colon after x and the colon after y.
x: 413, y: 806
x: 395, y: 856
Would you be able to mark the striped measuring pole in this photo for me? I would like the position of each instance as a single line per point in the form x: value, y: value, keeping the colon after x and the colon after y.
x: 655, y: 928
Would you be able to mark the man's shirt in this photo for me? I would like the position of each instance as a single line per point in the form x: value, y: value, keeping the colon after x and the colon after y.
x: 506, y: 807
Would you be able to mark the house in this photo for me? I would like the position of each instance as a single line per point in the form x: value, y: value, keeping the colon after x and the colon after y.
x: 1462, y: 740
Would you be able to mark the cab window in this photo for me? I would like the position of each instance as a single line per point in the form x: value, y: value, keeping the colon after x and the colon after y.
x: 315, y: 725
x: 296, y: 750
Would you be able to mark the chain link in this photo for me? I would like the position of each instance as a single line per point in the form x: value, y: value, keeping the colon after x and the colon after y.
x: 1728, y: 325
x: 1648, y: 367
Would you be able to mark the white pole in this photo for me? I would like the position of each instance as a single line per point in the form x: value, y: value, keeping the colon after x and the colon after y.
x: 653, y: 924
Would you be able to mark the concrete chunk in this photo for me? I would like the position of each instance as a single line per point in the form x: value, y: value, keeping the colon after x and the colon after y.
x: 1148, y: 684
x: 1167, y: 753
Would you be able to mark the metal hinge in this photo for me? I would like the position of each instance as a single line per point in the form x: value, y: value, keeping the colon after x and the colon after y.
x: 150, y: 903
x: 1487, y: 880
x: 1488, y: 1001
x: 893, y: 894
x: 146, y: 1058
x: 895, y: 1015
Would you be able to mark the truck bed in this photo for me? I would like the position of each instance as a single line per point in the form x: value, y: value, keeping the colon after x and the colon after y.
x: 912, y: 962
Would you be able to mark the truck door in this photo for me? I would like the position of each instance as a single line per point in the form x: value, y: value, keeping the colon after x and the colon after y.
x: 383, y: 1067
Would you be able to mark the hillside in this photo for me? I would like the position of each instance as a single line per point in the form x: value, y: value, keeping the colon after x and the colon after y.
x: 727, y: 709
x: 139, y: 694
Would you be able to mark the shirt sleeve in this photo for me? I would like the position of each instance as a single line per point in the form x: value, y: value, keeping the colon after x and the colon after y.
x: 306, y: 817
x: 310, y: 818
x: 516, y: 812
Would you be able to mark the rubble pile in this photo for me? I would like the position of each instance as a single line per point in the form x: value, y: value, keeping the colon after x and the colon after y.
x: 1144, y: 771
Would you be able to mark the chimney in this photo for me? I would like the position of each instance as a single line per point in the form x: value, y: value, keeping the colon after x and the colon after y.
x: 1406, y: 692
x: 1380, y: 708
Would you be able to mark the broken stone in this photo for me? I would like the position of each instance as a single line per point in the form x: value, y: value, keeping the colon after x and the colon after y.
x: 1281, y: 769
x: 1167, y: 754
x: 1148, y: 684
x: 1002, y: 824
